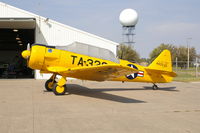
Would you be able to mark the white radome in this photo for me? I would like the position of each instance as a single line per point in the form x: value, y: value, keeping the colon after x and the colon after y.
x: 128, y: 17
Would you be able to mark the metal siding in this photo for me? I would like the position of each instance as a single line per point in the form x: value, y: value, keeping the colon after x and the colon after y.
x: 13, y: 12
x: 57, y: 35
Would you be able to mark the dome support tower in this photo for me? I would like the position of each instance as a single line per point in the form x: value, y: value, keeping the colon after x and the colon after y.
x: 128, y: 34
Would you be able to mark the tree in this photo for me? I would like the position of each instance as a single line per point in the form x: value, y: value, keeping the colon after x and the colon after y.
x: 126, y: 52
x: 160, y: 48
x: 181, y: 53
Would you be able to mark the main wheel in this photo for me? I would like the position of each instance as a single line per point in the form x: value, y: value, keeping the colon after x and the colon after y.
x: 154, y: 87
x: 59, y: 90
x: 49, y: 84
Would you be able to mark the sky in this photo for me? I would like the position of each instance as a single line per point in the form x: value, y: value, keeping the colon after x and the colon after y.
x: 160, y: 21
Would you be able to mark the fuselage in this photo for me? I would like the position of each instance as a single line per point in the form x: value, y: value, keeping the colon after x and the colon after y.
x: 42, y: 57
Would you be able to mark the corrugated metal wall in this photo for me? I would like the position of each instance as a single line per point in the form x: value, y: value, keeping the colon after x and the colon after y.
x: 54, y: 33
x: 7, y: 11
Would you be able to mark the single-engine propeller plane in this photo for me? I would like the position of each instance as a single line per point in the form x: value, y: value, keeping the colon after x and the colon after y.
x: 86, y: 62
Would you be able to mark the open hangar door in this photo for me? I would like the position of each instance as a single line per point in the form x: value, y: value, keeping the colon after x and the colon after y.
x: 15, y: 34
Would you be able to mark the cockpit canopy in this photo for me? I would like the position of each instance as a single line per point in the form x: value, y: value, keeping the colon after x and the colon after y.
x: 89, y: 50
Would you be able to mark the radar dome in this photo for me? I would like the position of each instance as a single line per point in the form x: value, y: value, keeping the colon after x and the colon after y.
x: 128, y: 17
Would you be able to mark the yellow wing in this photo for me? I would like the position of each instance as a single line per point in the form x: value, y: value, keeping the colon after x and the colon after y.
x: 97, y: 73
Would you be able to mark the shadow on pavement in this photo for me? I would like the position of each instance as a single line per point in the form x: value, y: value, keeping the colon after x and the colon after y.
x: 135, y: 89
x: 100, y: 94
x: 161, y: 88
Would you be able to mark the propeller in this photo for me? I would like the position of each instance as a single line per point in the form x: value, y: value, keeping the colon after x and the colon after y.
x: 28, y: 47
x: 26, y: 53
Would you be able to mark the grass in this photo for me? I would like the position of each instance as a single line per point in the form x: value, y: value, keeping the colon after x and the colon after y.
x: 185, y: 75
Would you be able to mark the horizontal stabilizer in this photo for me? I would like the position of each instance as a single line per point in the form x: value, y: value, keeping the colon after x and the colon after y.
x: 171, y: 74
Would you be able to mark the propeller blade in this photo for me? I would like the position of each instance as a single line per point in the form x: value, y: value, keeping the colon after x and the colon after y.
x: 28, y: 47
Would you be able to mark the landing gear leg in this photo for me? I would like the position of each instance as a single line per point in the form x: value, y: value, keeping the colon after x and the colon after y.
x: 60, y: 88
x: 154, y: 87
x: 49, y: 83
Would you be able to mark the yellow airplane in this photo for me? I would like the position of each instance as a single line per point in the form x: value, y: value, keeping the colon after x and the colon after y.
x: 98, y: 65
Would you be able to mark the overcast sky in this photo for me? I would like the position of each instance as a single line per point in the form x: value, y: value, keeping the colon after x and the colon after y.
x: 160, y: 21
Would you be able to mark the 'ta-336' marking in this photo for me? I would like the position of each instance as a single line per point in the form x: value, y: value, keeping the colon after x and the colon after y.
x: 80, y: 61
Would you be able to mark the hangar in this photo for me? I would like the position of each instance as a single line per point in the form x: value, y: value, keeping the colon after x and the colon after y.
x: 19, y: 27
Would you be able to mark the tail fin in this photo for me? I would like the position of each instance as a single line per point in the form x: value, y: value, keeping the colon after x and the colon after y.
x: 162, y: 62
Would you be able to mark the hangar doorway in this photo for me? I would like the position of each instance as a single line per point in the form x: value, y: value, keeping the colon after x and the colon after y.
x: 15, y: 34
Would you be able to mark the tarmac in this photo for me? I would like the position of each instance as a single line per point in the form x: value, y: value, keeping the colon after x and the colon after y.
x: 99, y: 107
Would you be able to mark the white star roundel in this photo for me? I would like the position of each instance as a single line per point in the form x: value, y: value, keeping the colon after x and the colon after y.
x: 133, y: 75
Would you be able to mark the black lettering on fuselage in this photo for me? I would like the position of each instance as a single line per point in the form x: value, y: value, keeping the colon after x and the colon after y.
x: 73, y: 58
x: 90, y: 61
x: 80, y: 62
x: 97, y: 62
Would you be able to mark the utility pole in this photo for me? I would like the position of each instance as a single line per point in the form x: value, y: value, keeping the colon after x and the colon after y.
x: 176, y: 63
x: 188, y: 51
x: 197, y: 65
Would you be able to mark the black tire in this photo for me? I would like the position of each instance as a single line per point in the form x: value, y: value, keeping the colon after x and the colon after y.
x: 47, y: 85
x: 154, y: 87
x: 59, y: 90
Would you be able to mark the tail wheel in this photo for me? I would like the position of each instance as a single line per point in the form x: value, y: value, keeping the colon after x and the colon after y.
x: 154, y: 87
x: 49, y: 84
x: 59, y: 90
